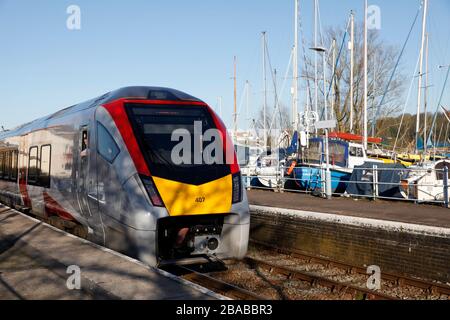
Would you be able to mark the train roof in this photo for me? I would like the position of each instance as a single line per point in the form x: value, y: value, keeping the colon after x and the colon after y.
x: 136, y: 92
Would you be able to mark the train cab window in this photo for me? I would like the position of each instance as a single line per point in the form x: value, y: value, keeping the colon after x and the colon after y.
x: 106, y: 146
x: 154, y: 127
x: 44, y: 175
x: 33, y: 166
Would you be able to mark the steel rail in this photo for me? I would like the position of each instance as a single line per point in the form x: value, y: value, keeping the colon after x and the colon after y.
x: 335, y: 287
x: 219, y: 286
x: 396, y: 279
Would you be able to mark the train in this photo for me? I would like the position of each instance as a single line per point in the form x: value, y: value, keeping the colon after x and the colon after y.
x: 104, y: 170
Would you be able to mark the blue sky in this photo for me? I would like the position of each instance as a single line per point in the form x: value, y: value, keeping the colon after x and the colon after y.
x: 187, y: 45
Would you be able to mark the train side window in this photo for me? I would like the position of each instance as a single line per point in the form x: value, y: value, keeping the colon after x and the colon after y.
x: 2, y: 161
x: 33, y: 166
x: 45, y: 164
x: 106, y: 146
x: 14, y: 165
x: 7, y: 166
x: 84, y: 143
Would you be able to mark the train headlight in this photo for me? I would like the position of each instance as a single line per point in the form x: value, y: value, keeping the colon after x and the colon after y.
x: 212, y: 244
x: 152, y: 192
x: 237, y: 187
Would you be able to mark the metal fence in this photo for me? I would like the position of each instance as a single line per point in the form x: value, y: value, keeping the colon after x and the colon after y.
x: 414, y: 184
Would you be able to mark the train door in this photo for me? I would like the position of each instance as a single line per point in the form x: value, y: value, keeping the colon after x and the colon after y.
x: 83, y: 169
x: 87, y: 187
x: 23, y: 169
x: 34, y: 189
x: 111, y: 197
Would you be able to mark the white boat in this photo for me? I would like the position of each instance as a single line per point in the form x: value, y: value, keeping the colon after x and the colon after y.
x: 248, y: 158
x: 425, y: 182
x: 269, y: 167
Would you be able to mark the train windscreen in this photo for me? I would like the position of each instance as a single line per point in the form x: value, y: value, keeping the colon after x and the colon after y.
x: 167, y: 135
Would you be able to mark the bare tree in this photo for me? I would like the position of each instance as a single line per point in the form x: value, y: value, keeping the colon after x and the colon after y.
x: 277, y: 119
x: 382, y: 58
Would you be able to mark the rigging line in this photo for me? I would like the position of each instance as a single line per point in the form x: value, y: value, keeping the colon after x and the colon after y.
x: 439, y: 104
x: 320, y: 23
x: 377, y: 113
x: 305, y: 61
x: 440, y: 133
x: 336, y: 66
x: 242, y: 97
x: 277, y: 107
x: 446, y: 135
x: 272, y: 73
x: 406, y: 103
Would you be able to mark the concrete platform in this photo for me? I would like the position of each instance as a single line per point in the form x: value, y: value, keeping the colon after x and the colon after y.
x: 399, y: 211
x: 34, y: 258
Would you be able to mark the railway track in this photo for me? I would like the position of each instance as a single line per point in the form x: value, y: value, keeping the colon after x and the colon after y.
x: 237, y: 279
x: 214, y: 281
x: 428, y: 287
x: 334, y: 287
x: 209, y: 281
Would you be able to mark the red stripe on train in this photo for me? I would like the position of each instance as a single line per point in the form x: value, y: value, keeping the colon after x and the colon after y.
x: 23, y: 188
x: 117, y: 111
x: 53, y: 208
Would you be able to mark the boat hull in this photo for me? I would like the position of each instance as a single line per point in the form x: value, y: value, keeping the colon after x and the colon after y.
x: 310, y: 178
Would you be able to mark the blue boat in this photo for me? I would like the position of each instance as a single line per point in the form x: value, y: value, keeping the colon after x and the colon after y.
x: 310, y: 177
x: 309, y: 172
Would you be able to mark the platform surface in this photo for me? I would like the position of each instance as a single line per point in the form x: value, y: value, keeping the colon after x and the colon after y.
x: 34, y: 258
x: 398, y: 211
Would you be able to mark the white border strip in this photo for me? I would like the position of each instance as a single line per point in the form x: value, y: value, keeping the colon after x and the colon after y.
x: 120, y: 255
x: 358, y: 221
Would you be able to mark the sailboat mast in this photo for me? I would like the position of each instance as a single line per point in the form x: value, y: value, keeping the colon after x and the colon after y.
x: 333, y: 77
x: 352, y: 56
x: 425, y: 98
x: 374, y: 88
x: 247, y: 106
x: 419, y: 88
x: 265, y: 86
x: 365, y: 76
x: 316, y: 92
x: 295, y: 71
x: 235, y: 102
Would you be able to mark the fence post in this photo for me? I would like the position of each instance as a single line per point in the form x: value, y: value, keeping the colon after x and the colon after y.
x: 323, y: 182
x: 248, y: 180
x: 281, y: 185
x: 446, y: 186
x: 375, y: 181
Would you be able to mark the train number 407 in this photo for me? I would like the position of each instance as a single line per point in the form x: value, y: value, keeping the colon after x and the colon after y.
x: 200, y: 199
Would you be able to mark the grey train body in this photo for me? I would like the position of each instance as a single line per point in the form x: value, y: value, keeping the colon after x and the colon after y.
x: 103, y: 194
